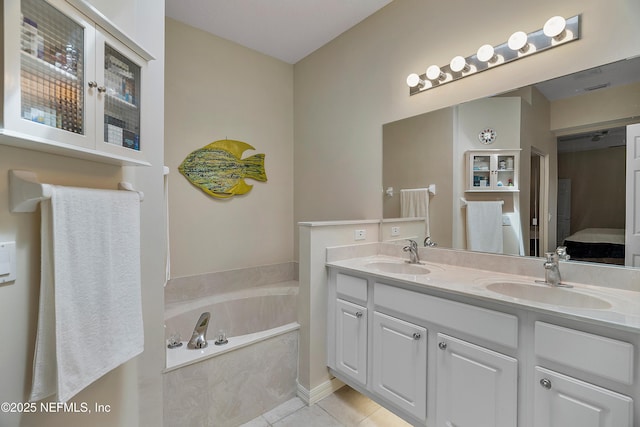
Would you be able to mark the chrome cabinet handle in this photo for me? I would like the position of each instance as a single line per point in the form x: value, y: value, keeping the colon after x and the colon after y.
x: 358, y: 314
x: 546, y: 383
x: 102, y: 89
x: 92, y: 84
x: 416, y: 336
x: 442, y: 345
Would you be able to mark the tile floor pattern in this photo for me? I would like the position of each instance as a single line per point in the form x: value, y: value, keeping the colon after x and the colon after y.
x: 344, y: 408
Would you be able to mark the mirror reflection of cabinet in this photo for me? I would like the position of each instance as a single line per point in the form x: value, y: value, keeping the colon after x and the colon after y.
x: 492, y: 170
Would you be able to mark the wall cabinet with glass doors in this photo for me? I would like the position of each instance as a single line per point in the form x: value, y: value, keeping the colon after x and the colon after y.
x: 71, y: 87
x: 492, y: 170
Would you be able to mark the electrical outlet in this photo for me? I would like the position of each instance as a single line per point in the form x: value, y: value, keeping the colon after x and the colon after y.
x: 395, y: 231
x: 360, y: 234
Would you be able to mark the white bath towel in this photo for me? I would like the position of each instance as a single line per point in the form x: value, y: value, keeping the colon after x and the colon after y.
x: 414, y: 203
x: 90, y: 318
x: 484, y: 226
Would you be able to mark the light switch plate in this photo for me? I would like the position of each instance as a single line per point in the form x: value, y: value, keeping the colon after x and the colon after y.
x: 395, y: 231
x: 7, y: 262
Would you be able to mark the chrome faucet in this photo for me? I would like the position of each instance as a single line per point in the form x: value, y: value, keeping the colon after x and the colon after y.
x: 199, y: 336
x: 552, y: 275
x: 429, y: 243
x: 412, y: 248
x: 561, y: 251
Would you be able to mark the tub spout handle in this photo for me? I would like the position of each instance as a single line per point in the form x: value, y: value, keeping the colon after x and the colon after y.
x: 199, y: 336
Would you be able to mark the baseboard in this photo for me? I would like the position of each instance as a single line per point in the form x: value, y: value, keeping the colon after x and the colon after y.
x: 313, y: 396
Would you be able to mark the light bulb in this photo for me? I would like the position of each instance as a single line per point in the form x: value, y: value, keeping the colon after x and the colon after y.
x: 414, y: 80
x: 486, y: 53
x: 434, y: 73
x: 555, y: 28
x: 459, y: 64
x: 518, y: 41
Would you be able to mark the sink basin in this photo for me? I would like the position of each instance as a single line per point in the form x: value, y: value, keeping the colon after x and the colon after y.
x: 548, y: 295
x: 398, y: 268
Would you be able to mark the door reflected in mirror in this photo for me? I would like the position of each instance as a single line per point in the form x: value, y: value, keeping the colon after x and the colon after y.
x: 573, y: 168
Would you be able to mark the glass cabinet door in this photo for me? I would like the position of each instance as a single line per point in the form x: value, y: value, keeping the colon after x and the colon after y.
x: 122, y: 99
x: 506, y: 168
x: 481, y: 165
x: 52, y: 69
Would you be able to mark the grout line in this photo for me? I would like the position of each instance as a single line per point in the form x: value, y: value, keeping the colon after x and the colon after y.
x: 331, y: 415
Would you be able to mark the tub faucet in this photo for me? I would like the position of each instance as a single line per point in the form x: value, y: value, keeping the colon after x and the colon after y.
x: 412, y: 248
x: 199, y: 336
x: 552, y: 271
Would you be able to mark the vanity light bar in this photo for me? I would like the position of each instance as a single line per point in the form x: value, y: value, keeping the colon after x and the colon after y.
x: 556, y: 31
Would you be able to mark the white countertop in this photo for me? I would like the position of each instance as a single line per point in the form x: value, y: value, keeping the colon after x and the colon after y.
x: 624, y: 312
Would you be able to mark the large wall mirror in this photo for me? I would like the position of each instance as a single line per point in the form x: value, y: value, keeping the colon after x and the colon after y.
x: 570, y: 136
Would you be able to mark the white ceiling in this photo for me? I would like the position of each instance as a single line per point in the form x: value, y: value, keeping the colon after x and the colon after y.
x: 285, y: 29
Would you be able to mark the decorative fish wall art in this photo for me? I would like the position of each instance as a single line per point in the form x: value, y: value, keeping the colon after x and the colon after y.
x: 219, y: 170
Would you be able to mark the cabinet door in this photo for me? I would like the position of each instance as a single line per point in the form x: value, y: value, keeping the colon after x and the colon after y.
x: 49, y: 51
x: 481, y: 167
x: 351, y: 340
x: 477, y: 387
x: 562, y: 401
x: 119, y: 100
x: 506, y: 165
x: 400, y: 363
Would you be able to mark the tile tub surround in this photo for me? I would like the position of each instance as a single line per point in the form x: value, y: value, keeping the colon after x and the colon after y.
x: 237, y: 384
x: 237, y: 313
x: 232, y: 388
x: 188, y: 288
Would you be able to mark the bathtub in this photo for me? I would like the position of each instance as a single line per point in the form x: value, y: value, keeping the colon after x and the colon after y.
x: 227, y: 385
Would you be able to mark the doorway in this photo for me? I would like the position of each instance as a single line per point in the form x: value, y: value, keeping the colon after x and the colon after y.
x: 537, y: 204
x: 592, y: 197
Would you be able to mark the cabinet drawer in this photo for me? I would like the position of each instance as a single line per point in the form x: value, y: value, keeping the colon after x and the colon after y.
x: 606, y: 357
x: 493, y: 326
x: 351, y: 288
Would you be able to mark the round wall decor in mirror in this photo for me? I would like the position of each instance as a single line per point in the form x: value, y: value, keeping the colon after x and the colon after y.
x: 487, y: 136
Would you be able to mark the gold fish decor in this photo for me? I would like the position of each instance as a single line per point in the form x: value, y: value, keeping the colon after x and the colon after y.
x: 219, y: 170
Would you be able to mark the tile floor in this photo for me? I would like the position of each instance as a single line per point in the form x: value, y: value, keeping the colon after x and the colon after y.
x: 344, y: 408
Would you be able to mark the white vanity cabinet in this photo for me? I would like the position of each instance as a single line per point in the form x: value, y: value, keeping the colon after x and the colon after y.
x: 380, y: 337
x: 492, y: 170
x: 400, y: 363
x: 476, y: 386
x: 442, y: 351
x: 561, y: 399
x: 71, y: 85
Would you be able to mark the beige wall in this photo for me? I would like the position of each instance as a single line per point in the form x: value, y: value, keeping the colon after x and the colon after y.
x: 215, y: 90
x: 616, y: 105
x: 536, y: 137
x: 346, y: 90
x: 418, y: 152
x: 133, y: 390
